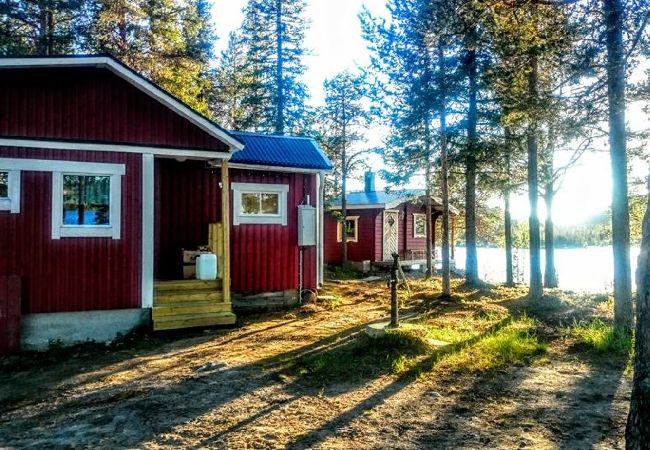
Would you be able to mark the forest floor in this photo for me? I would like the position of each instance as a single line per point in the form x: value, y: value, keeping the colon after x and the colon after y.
x: 486, y: 368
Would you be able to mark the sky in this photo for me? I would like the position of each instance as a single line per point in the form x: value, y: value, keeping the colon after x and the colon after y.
x: 335, y: 44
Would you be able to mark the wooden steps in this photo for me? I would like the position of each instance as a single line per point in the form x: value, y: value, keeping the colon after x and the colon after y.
x: 190, y: 303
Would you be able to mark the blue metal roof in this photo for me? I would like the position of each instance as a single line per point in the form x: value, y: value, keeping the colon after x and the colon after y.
x: 387, y: 200
x: 281, y: 151
x: 380, y: 198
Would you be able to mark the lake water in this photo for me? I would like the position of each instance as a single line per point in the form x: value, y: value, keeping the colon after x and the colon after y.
x: 579, y: 269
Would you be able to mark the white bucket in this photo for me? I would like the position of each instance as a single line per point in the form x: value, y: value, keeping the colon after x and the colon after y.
x: 206, y: 266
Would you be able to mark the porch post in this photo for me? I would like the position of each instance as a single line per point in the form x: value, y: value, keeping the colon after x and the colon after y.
x: 148, y: 199
x: 225, y: 220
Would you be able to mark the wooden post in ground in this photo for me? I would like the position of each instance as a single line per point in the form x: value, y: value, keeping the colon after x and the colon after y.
x: 394, y: 311
x: 225, y: 221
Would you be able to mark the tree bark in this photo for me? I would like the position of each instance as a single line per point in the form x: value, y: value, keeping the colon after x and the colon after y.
x: 535, y: 289
x: 637, y: 433
x: 507, y: 219
x: 623, y: 311
x: 279, y: 118
x: 446, y: 272
x: 344, y: 203
x: 429, y: 222
x: 471, y: 259
x: 550, y: 273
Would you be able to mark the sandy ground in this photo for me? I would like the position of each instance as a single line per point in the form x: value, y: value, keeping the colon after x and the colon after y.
x: 227, y: 389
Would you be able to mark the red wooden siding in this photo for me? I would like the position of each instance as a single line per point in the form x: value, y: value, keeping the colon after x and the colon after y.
x: 9, y: 314
x: 72, y: 274
x: 264, y: 258
x: 371, y: 235
x: 90, y: 104
x: 368, y: 236
x: 187, y: 199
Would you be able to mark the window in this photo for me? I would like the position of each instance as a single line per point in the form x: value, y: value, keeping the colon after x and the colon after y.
x: 260, y: 203
x: 86, y: 205
x: 351, y: 225
x: 86, y: 200
x: 4, y: 184
x: 419, y: 225
x: 10, y: 190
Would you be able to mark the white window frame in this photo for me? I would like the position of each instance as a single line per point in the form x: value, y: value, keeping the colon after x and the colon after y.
x: 339, y: 230
x: 239, y: 218
x: 415, y: 233
x: 11, y: 203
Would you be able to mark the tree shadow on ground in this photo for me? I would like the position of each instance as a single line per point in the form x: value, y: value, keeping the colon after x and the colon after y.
x: 333, y: 426
x: 91, y: 362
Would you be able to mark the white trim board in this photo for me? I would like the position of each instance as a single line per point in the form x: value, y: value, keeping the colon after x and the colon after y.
x: 112, y: 230
x: 147, y: 229
x: 120, y: 148
x: 241, y: 219
x: 134, y: 79
x: 57, y: 165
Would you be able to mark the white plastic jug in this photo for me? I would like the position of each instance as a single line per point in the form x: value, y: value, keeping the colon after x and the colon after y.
x: 206, y: 266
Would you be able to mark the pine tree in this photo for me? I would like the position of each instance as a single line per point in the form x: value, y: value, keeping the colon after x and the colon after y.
x: 228, y: 82
x: 343, y: 117
x: 273, y: 93
x: 42, y: 27
x: 529, y: 40
x: 168, y: 42
x: 404, y: 70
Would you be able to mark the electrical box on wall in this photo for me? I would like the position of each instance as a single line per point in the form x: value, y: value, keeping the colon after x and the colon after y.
x: 306, y: 225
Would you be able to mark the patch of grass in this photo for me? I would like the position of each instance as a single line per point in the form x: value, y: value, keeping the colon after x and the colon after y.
x: 513, y: 344
x: 601, y: 337
x: 393, y: 352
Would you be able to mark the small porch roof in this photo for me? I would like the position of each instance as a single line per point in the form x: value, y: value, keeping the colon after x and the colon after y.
x: 280, y: 151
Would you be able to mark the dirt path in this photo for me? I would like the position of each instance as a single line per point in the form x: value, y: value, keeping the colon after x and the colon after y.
x: 227, y: 389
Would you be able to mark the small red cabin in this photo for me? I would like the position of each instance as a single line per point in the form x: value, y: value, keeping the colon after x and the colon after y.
x: 107, y: 182
x: 378, y: 224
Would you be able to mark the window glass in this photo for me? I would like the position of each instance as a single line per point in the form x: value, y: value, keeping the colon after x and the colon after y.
x: 86, y: 200
x: 350, y: 229
x: 270, y: 204
x: 420, y: 225
x: 260, y: 203
x: 250, y: 203
x: 4, y: 184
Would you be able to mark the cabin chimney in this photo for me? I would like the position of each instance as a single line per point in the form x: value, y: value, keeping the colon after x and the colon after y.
x: 369, y: 179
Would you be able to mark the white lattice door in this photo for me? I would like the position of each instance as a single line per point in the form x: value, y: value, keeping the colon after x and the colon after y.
x: 391, y: 235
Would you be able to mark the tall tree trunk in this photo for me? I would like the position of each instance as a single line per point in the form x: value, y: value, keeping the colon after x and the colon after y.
x: 429, y: 207
x: 446, y: 273
x: 535, y: 287
x: 344, y: 202
x: 471, y: 259
x: 507, y: 219
x: 623, y: 313
x: 46, y: 29
x: 550, y: 273
x: 637, y: 433
x: 279, y: 114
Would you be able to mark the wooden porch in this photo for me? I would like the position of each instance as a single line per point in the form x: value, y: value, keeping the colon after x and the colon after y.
x: 191, y: 303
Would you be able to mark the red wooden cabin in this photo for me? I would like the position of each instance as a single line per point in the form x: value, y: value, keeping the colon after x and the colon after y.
x: 105, y: 178
x: 379, y: 223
